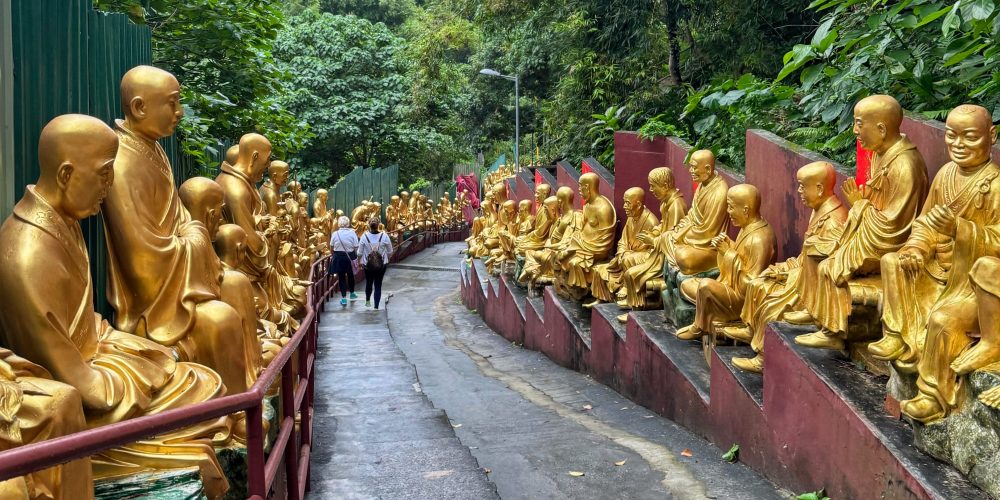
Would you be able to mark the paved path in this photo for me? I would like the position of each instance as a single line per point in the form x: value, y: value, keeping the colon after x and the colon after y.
x: 376, y: 433
x: 525, y: 419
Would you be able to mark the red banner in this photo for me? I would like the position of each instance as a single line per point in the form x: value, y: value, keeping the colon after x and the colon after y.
x: 864, y: 165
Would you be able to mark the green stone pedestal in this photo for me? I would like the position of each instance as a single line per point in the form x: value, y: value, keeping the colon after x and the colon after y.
x: 676, y: 310
x: 174, y: 484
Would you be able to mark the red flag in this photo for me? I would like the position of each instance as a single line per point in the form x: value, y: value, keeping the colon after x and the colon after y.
x: 864, y: 165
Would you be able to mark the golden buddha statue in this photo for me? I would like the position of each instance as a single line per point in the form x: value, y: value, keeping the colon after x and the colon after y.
x: 525, y: 219
x: 878, y: 221
x: 277, y: 176
x: 204, y: 198
x: 232, y: 153
x: 404, y: 209
x: 939, y: 288
x: 392, y: 214
x: 535, y: 238
x: 163, y: 274
x: 237, y: 288
x: 721, y: 300
x: 688, y: 246
x: 34, y: 408
x: 650, y: 266
x: 781, y: 286
x: 590, y: 244
x: 631, y: 250
x: 542, y: 191
x: 538, y: 264
x: 320, y: 211
x: 49, y: 314
x: 506, y: 233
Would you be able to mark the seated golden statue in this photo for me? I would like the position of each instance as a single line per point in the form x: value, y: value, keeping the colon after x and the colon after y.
x: 688, y: 246
x: 525, y: 219
x: 320, y: 212
x: 404, y: 209
x: 542, y: 191
x: 204, y: 198
x: 392, y: 215
x: 48, y: 314
x: 939, y: 288
x: 721, y: 300
x: 506, y: 233
x: 589, y: 245
x: 649, y: 267
x: 781, y: 286
x: 535, y: 238
x: 277, y: 176
x: 631, y: 250
x: 538, y: 264
x: 878, y: 221
x: 163, y: 275
x: 34, y: 408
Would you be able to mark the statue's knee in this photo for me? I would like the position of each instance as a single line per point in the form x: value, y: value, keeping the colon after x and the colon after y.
x: 939, y: 321
x: 985, y: 269
x: 218, y: 315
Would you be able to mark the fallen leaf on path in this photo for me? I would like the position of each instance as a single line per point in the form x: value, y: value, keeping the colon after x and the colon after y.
x: 588, y: 407
x: 438, y: 474
x: 647, y: 416
x: 620, y: 463
x: 456, y: 426
x: 576, y: 473
x: 487, y: 470
x: 625, y: 407
x: 687, y: 453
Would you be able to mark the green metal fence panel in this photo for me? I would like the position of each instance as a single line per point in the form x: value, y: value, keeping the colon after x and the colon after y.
x: 68, y: 58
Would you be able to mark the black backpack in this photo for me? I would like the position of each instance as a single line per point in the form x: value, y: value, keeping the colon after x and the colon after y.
x: 375, y: 262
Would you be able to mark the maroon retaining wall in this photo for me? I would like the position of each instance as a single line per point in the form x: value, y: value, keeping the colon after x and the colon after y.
x: 606, y: 180
x: 525, y: 186
x: 634, y: 158
x: 567, y: 175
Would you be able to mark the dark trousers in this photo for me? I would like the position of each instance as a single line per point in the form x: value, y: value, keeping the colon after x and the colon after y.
x: 374, y: 279
x: 345, y: 272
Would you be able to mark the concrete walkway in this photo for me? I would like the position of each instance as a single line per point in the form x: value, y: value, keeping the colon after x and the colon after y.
x: 376, y: 433
x: 528, y: 422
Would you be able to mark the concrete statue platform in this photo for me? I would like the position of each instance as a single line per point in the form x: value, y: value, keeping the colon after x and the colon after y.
x: 816, y: 420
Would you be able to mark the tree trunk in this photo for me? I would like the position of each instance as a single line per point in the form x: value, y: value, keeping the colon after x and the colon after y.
x: 674, y: 55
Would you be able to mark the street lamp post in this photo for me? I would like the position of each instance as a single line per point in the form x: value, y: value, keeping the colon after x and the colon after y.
x: 517, y: 111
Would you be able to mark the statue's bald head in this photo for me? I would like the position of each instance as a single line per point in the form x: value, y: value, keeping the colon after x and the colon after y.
x: 232, y: 154
x: 565, y: 194
x: 524, y: 205
x: 701, y: 166
x: 76, y: 155
x: 970, y: 136
x: 254, y: 155
x: 278, y: 172
x: 589, y: 186
x: 543, y: 191
x: 816, y: 183
x: 151, y: 101
x: 203, y: 198
x: 745, y: 196
x: 229, y: 243
x: 322, y: 193
x: 877, y: 120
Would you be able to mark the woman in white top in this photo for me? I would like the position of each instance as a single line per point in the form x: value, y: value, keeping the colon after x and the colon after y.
x: 371, y: 243
x: 344, y: 243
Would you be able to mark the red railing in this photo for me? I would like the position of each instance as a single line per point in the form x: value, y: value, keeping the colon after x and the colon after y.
x: 291, y: 447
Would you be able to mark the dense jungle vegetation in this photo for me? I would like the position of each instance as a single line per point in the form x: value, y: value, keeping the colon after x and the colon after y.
x: 342, y: 83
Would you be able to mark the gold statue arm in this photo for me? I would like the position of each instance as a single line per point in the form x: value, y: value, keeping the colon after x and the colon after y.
x: 238, y: 204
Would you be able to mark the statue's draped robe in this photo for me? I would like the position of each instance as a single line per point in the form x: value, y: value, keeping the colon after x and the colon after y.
x: 49, y: 318
x: 535, y: 238
x: 35, y: 408
x: 767, y: 298
x: 269, y: 197
x: 672, y: 209
x: 161, y: 264
x: 538, y: 263
x: 590, y: 244
x: 706, y: 220
x: 876, y: 225
x: 630, y: 252
x: 720, y: 300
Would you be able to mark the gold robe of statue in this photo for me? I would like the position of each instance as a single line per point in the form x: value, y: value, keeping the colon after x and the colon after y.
x: 908, y: 300
x: 49, y: 318
x: 163, y: 273
x: 693, y: 234
x: 720, y: 300
x: 591, y: 243
x: 634, y: 280
x: 34, y: 408
x: 535, y: 238
x: 540, y: 263
x: 630, y: 253
x: 768, y: 297
x: 876, y: 225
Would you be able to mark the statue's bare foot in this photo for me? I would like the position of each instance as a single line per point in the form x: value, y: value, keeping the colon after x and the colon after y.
x: 822, y: 339
x: 752, y: 365
x: 741, y: 333
x: 991, y: 397
x: 980, y: 355
x: 798, y: 318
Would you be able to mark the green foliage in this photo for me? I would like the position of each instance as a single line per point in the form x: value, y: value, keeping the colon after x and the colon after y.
x: 603, y: 130
x: 930, y: 55
x: 392, y: 13
x: 733, y: 454
x: 220, y: 51
x: 813, y: 495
